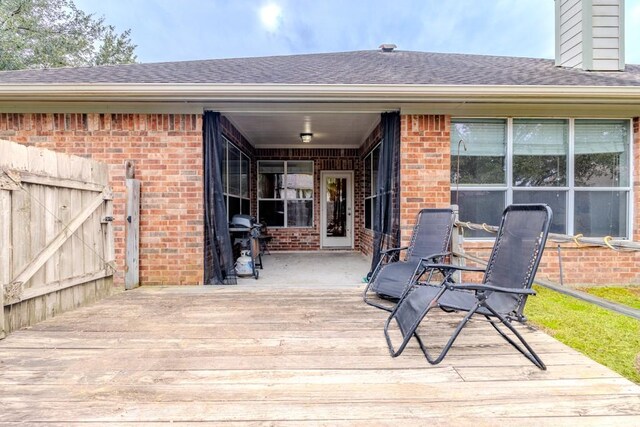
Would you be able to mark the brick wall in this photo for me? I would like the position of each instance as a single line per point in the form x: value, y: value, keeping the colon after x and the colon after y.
x: 424, y: 167
x: 234, y: 135
x: 167, y: 151
x: 580, y: 265
x: 308, y: 238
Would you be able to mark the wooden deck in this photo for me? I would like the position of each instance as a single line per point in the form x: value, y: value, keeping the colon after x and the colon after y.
x: 248, y: 356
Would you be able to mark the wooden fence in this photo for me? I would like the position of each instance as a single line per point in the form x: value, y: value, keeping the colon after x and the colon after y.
x: 56, y: 234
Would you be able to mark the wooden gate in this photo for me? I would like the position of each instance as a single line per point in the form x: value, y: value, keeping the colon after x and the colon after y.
x: 56, y: 234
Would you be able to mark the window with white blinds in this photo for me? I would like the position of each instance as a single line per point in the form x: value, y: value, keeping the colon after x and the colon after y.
x: 579, y: 167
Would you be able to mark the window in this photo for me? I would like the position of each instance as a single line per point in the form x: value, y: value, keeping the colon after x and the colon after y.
x: 235, y: 179
x: 579, y: 167
x: 481, y: 163
x: 370, y: 185
x: 285, y: 193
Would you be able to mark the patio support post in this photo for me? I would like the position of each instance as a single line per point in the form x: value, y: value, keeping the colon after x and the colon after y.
x: 425, y: 163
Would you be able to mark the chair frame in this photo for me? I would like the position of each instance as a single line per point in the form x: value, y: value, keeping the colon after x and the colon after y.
x: 482, y: 292
x: 393, y: 254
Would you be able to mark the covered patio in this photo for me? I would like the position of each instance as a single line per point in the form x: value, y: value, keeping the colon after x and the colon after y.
x: 273, y: 354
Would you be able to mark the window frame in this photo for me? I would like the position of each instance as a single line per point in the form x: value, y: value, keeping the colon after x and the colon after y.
x: 285, y: 199
x: 570, y: 188
x: 372, y: 186
x: 225, y: 170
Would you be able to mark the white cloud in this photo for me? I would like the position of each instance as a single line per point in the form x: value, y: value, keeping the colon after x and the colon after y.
x: 271, y: 16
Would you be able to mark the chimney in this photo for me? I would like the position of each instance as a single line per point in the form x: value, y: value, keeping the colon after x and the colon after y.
x: 590, y: 34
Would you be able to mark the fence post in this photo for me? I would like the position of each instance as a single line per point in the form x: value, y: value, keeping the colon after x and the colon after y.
x: 5, y: 251
x: 132, y: 273
x: 457, y: 240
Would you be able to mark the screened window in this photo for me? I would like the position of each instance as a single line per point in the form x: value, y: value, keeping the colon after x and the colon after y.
x: 285, y: 193
x: 602, y: 177
x: 235, y: 179
x: 579, y: 167
x: 540, y: 149
x: 478, y: 159
x: 482, y: 153
x: 370, y: 185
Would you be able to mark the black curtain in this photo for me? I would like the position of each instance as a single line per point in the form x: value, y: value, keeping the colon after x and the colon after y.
x: 386, y: 221
x: 218, y: 252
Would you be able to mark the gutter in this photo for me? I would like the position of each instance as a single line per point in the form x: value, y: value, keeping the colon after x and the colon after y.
x: 198, y: 93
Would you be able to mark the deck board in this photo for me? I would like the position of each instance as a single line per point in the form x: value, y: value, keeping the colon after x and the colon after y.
x: 291, y: 357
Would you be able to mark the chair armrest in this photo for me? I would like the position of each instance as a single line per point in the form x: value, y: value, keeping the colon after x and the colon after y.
x: 432, y: 256
x: 453, y: 267
x: 387, y: 251
x: 481, y: 287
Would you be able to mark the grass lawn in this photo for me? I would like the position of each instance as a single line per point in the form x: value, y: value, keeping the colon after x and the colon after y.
x: 629, y: 296
x: 609, y: 338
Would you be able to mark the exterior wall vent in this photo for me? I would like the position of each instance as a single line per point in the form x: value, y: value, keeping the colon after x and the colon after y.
x: 590, y: 34
x: 388, y: 47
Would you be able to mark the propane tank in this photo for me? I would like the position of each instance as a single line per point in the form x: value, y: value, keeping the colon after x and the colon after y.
x: 244, y: 264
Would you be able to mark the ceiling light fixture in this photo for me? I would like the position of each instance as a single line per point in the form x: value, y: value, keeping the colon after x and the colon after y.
x: 306, y: 137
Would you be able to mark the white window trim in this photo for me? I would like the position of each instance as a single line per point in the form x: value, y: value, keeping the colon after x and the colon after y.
x: 285, y: 199
x: 570, y: 188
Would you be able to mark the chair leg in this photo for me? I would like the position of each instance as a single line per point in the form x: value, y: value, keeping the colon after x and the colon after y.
x: 528, y: 353
x: 406, y: 336
x: 405, y: 339
x: 447, y: 347
x: 370, y: 302
x: 365, y: 296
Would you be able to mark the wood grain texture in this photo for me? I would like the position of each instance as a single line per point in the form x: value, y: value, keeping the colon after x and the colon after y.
x: 5, y: 250
x: 132, y: 259
x: 251, y: 356
x: 54, y: 255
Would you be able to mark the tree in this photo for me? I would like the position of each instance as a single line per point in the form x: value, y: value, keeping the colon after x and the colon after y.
x: 55, y: 33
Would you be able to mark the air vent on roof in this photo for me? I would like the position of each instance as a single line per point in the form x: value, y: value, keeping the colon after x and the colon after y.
x: 387, y: 47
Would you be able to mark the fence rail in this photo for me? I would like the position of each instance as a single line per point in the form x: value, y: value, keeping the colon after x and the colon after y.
x: 578, y: 240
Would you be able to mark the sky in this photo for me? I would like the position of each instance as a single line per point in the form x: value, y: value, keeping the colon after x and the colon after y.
x: 176, y: 30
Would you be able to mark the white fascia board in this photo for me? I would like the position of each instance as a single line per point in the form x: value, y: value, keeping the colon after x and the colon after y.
x: 314, y: 93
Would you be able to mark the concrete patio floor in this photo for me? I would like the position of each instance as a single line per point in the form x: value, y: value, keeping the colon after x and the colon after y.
x: 334, y: 269
x: 249, y: 355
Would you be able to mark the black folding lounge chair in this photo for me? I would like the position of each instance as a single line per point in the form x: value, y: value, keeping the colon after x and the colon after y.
x: 501, y: 296
x: 429, y: 243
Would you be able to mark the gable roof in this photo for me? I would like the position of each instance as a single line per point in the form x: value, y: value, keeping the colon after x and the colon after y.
x: 344, y: 68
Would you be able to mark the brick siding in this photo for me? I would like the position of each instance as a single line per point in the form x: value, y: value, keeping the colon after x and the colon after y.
x: 308, y: 238
x: 167, y: 151
x: 424, y: 167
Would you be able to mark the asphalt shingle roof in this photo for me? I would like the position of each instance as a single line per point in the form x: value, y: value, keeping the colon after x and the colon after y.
x: 350, y: 68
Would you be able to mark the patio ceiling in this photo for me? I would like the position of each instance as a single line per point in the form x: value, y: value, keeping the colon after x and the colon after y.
x: 282, y: 129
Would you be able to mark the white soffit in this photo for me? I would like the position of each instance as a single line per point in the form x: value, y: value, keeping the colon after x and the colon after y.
x: 330, y: 130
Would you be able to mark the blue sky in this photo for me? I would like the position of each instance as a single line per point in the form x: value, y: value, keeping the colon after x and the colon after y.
x: 175, y: 30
